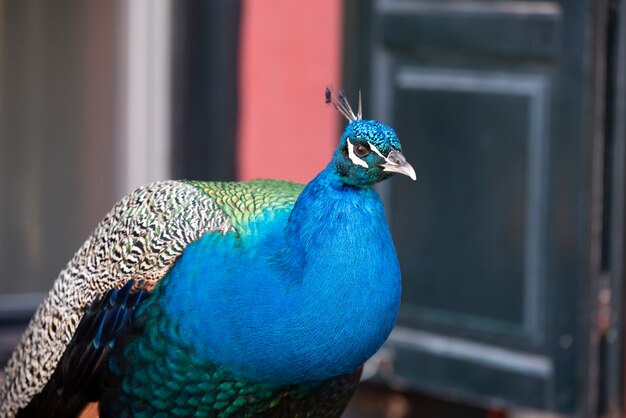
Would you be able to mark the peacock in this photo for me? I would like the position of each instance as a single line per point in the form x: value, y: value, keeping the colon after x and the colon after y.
x: 225, y: 299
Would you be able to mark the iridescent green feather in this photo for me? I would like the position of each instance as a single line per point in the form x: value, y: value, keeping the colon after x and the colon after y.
x: 166, y: 376
x: 246, y: 203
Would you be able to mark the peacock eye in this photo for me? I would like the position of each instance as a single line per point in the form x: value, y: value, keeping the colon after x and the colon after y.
x: 361, y: 150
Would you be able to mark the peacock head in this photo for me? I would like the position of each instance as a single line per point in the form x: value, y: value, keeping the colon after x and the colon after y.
x: 369, y: 150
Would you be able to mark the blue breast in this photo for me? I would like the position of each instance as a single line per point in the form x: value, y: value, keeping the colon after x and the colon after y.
x: 311, y: 295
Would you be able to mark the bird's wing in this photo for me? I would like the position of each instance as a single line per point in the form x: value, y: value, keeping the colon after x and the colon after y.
x: 140, y: 238
x: 79, y: 375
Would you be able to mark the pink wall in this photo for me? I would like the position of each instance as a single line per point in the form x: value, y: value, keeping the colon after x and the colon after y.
x: 290, y: 51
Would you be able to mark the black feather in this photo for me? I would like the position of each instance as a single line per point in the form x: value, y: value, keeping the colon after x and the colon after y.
x: 341, y: 104
x: 78, y: 376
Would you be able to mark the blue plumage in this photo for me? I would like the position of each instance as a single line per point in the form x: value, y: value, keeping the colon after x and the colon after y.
x: 310, y: 296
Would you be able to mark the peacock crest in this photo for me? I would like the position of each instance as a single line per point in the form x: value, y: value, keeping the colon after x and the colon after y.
x: 343, y: 106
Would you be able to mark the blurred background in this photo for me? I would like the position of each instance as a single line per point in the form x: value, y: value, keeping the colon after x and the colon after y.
x: 511, y: 111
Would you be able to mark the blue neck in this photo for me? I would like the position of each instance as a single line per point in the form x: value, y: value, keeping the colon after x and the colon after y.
x: 311, y: 295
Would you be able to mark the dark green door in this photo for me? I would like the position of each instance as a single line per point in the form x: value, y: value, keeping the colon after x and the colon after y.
x: 501, y: 109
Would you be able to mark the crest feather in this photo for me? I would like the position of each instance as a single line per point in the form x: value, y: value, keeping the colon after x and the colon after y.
x: 341, y: 104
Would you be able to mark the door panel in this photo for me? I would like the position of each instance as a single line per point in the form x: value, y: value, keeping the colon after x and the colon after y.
x: 505, y: 28
x: 482, y: 136
x: 492, y: 102
x: 472, y: 233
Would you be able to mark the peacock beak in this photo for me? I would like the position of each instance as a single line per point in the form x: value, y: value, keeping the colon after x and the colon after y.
x: 396, y: 163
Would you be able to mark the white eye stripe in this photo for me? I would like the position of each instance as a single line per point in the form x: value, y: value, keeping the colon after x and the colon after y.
x: 376, y: 150
x: 356, y: 160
